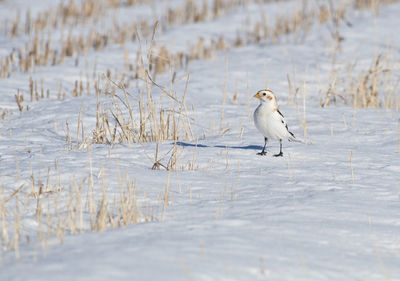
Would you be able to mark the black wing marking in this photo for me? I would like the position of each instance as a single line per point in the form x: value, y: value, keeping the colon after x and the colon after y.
x: 282, y: 118
x: 289, y: 131
x: 284, y: 122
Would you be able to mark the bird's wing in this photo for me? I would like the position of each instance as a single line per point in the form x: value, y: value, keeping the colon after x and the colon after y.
x: 285, y: 124
x: 282, y: 118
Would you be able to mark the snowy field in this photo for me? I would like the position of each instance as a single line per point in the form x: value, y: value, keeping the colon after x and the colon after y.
x: 128, y: 149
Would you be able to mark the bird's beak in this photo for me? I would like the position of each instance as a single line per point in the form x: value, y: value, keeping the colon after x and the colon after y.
x: 256, y: 96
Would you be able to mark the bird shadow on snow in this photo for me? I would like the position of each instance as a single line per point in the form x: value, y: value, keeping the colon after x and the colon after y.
x: 252, y: 147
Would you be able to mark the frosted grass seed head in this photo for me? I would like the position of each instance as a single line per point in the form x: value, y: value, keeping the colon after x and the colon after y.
x: 270, y: 121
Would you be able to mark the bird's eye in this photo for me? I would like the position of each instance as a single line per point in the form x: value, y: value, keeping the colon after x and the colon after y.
x: 264, y: 94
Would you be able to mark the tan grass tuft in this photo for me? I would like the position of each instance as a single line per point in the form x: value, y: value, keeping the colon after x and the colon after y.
x: 376, y: 87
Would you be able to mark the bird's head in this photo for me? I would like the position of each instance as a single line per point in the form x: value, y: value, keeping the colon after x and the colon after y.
x: 267, y: 97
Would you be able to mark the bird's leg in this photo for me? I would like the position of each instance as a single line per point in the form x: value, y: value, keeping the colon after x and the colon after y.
x: 280, y: 150
x: 265, y: 144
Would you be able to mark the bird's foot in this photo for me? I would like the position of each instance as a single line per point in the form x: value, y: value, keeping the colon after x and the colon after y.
x: 262, y: 153
x: 280, y: 154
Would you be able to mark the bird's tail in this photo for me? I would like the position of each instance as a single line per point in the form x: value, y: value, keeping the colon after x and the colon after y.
x: 293, y: 138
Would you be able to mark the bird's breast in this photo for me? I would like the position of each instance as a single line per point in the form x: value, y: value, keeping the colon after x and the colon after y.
x: 269, y: 124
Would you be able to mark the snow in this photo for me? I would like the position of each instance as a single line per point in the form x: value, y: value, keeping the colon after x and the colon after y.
x: 328, y: 210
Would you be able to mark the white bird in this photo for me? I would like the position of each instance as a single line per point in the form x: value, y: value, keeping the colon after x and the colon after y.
x: 270, y: 121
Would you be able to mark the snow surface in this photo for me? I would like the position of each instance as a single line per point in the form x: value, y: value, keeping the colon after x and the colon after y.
x: 238, y: 216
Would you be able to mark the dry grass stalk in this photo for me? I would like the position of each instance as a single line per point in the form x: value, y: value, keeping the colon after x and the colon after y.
x: 376, y: 88
x: 14, y: 193
x: 19, y: 98
x: 38, y: 50
x: 145, y: 122
x: 174, y: 162
x: 221, y: 129
x: 74, y: 214
x: 166, y: 198
x: 331, y: 95
x: 284, y: 25
x: 35, y: 94
x: 293, y: 89
x: 373, y: 5
x: 148, y: 122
